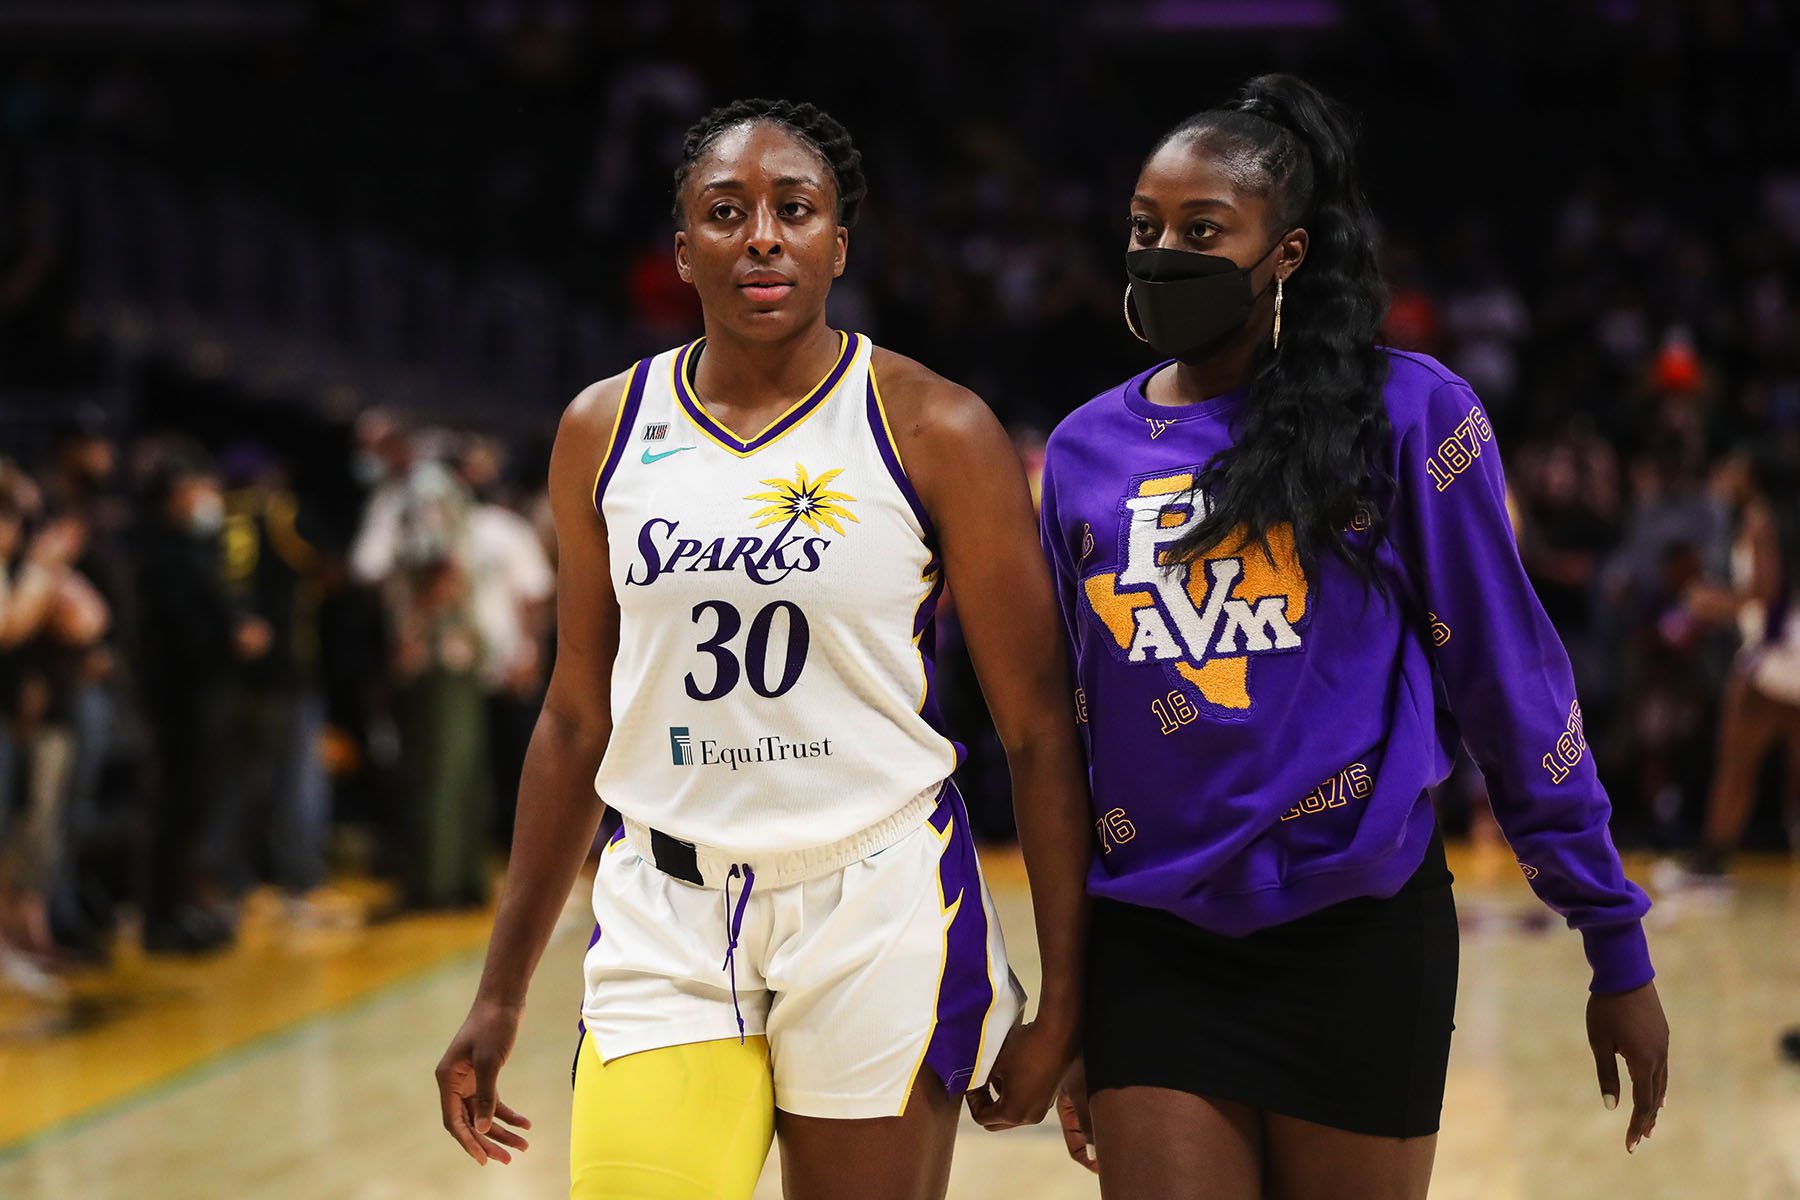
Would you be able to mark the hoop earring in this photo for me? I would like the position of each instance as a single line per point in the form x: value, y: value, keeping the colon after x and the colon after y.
x: 1277, y: 345
x: 1129, y: 323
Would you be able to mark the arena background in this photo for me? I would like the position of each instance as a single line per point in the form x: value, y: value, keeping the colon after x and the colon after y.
x: 269, y: 242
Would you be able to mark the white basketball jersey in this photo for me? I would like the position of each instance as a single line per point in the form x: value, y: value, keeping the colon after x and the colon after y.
x: 773, y: 685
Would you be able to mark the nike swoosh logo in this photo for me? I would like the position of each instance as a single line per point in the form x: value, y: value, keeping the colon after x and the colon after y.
x: 650, y: 457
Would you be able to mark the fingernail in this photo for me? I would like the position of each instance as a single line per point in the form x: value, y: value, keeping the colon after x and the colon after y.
x: 1612, y: 1102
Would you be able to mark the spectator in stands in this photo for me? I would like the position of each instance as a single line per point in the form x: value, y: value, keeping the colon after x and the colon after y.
x: 193, y: 638
x: 414, y: 546
x: 79, y: 483
x: 47, y: 611
x: 277, y: 816
x: 1762, y: 699
x: 512, y: 584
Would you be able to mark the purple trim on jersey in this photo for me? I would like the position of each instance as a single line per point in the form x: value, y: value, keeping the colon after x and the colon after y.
x: 925, y: 634
x: 594, y: 938
x: 685, y: 397
x: 925, y: 619
x: 884, y: 442
x: 634, y: 397
x: 966, y: 991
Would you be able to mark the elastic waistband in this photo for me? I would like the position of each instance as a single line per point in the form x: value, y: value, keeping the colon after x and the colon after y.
x: 782, y: 867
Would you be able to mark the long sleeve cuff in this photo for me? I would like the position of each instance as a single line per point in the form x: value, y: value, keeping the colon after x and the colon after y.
x: 1619, y: 956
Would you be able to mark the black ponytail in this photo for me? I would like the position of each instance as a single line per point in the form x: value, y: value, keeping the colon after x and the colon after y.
x: 1311, y: 445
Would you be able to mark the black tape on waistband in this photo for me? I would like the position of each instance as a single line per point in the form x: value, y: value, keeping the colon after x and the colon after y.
x: 675, y: 857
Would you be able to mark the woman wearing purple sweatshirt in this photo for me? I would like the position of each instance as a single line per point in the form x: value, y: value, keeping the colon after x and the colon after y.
x: 1291, y: 587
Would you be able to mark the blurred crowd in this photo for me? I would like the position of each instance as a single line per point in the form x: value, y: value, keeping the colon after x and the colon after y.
x: 225, y: 253
x: 193, y: 668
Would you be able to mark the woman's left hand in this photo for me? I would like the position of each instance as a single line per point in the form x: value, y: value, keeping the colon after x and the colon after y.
x: 1025, y: 1076
x: 1631, y: 1024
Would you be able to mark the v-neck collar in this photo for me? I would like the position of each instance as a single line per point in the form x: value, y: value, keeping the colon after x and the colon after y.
x: 801, y: 409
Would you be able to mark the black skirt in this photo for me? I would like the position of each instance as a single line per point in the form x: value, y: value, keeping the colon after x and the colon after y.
x: 1341, y: 1017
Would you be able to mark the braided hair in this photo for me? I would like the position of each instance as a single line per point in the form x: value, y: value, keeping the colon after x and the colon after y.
x: 811, y: 124
x: 1311, y: 446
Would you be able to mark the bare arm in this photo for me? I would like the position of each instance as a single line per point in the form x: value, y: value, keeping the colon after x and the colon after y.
x: 1765, y: 556
x: 30, y: 601
x: 970, y: 480
x: 558, y: 812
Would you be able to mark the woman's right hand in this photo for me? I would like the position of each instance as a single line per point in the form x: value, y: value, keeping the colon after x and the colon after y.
x: 1077, y: 1125
x: 467, y: 1077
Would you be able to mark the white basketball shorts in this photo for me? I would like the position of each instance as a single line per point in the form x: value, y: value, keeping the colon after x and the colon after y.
x: 859, y: 977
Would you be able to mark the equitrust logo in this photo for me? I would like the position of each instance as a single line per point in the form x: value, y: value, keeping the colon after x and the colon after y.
x: 766, y: 749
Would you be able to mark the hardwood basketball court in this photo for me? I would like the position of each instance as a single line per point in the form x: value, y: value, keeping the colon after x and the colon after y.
x: 300, y: 1065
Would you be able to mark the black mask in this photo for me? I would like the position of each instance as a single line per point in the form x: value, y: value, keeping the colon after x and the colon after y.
x: 1187, y: 305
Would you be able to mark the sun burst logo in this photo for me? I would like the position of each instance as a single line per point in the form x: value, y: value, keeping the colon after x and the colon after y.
x: 804, y: 500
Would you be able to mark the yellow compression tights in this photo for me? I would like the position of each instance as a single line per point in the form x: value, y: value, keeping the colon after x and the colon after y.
x: 687, y: 1122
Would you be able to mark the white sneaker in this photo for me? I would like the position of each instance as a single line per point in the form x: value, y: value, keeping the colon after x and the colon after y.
x: 1671, y: 875
x: 19, y: 970
x: 304, y: 913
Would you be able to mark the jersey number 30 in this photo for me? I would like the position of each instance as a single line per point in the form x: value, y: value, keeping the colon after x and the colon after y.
x: 755, y: 665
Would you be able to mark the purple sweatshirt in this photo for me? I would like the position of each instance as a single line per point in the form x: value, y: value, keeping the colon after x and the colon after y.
x: 1259, y: 743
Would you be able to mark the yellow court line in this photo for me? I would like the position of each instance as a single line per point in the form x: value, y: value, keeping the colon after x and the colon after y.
x: 145, y: 1021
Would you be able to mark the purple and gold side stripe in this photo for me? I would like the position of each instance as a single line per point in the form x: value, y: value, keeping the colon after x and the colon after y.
x: 623, y: 422
x: 802, y: 409
x: 594, y: 939
x: 966, y: 994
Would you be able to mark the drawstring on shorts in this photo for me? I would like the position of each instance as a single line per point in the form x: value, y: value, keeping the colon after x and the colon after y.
x: 734, y: 924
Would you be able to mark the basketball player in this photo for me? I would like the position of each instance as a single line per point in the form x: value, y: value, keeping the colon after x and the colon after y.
x: 1280, y: 554
x: 794, y: 936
